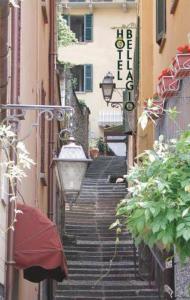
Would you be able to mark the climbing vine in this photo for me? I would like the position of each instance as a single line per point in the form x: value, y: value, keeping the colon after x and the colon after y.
x: 65, y: 36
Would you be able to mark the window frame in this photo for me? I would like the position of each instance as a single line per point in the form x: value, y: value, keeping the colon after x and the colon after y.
x: 70, y: 21
x: 85, y: 78
x: 67, y: 17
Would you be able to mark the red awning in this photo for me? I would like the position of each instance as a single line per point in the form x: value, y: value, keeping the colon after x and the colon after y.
x: 37, y: 246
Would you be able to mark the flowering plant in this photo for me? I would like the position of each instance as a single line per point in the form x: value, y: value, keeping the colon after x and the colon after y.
x: 165, y: 72
x: 13, y: 170
x: 153, y: 109
x: 183, y: 49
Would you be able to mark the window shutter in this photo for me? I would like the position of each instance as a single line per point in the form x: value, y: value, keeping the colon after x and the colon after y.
x: 88, y: 22
x: 67, y: 19
x: 88, y: 78
x: 160, y: 20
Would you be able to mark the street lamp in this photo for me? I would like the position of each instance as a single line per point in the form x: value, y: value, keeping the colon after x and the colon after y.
x: 108, y: 87
x: 71, y: 165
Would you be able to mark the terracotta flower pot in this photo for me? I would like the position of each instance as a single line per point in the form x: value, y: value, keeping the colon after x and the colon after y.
x: 168, y: 86
x: 181, y: 65
x: 94, y: 152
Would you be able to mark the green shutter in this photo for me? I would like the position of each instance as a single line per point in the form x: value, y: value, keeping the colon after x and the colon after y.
x: 88, y: 78
x: 67, y: 19
x: 88, y: 27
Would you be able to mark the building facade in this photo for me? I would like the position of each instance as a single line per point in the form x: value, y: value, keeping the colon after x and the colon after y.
x: 28, y: 76
x: 98, y: 25
x: 162, y: 31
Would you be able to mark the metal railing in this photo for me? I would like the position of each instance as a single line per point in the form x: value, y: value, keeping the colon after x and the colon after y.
x: 158, y: 268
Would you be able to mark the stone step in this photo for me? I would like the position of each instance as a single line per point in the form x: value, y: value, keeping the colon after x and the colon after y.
x: 91, y: 285
x: 95, y: 273
x: 62, y: 297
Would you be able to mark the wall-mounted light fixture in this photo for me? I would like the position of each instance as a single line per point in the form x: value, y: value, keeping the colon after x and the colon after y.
x: 71, y: 165
x: 108, y: 86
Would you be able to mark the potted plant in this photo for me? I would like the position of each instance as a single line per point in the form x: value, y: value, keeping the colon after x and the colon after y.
x: 181, y: 62
x: 157, y: 208
x: 154, y: 107
x: 168, y: 86
x: 102, y: 146
x: 94, y: 151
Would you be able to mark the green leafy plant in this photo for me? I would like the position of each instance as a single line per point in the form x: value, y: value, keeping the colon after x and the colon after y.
x: 102, y: 146
x: 82, y: 103
x: 157, y: 209
x: 151, y: 112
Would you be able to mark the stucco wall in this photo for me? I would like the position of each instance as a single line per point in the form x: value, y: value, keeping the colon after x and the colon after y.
x: 145, y: 137
x: 154, y: 60
x: 34, y: 70
x: 102, y: 54
x: 177, y: 29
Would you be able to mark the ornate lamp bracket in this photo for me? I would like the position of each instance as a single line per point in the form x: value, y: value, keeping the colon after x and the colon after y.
x: 16, y: 112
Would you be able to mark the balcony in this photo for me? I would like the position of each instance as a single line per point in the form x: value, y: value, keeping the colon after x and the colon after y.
x: 97, y: 3
x: 110, y: 119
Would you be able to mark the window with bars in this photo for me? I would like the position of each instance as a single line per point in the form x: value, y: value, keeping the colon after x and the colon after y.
x: 82, y: 26
x: 160, y: 21
x: 83, y: 78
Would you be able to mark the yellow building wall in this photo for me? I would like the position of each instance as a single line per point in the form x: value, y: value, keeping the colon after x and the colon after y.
x: 145, y: 137
x: 34, y: 62
x: 102, y: 54
x: 177, y: 29
x: 153, y: 59
x: 3, y: 204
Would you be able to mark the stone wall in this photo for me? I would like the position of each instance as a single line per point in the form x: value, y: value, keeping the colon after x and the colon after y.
x: 81, y: 115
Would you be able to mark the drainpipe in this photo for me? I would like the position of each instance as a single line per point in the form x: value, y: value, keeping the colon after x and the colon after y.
x: 4, y: 12
x: 14, y: 99
x: 52, y: 57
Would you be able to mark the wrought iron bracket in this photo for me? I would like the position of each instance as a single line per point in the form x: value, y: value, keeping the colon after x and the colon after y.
x: 127, y: 105
x: 51, y: 112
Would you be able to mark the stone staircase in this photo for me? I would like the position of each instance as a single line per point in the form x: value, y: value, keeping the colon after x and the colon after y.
x: 98, y: 270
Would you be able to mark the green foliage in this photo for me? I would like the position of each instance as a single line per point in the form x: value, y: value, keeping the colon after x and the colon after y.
x: 102, y: 146
x: 157, y: 210
x: 65, y: 36
x: 82, y: 104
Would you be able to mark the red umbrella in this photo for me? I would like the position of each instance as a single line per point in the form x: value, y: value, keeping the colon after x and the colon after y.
x: 37, y: 246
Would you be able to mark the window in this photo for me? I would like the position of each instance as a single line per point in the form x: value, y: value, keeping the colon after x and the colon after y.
x: 82, y: 26
x: 160, y: 21
x: 83, y: 76
x: 173, y: 6
x: 77, y: 26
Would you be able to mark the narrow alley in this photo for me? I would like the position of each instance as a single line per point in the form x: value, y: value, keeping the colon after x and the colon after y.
x: 89, y: 255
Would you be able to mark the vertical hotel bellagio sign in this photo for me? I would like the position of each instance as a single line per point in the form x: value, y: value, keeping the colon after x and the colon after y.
x: 125, y: 51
